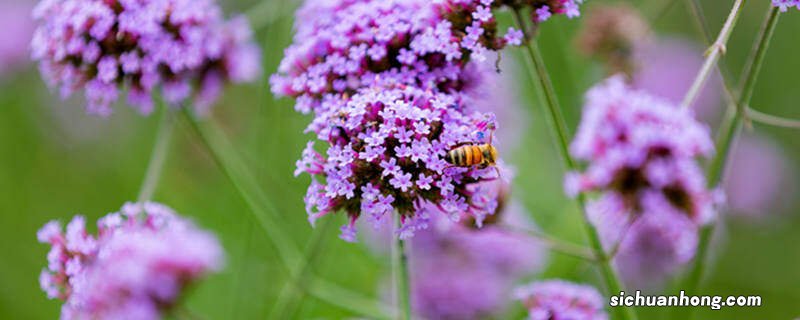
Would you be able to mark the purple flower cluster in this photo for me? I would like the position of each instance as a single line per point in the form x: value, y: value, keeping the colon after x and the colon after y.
x: 642, y: 154
x: 561, y: 300
x: 642, y: 159
x: 341, y: 46
x: 105, y: 47
x: 386, y: 153
x: 135, y: 268
x: 784, y: 5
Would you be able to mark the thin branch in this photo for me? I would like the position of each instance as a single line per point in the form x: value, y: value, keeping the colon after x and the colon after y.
x: 772, y: 120
x: 713, y: 54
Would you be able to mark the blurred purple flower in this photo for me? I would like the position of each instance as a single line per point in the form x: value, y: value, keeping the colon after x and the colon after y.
x: 385, y: 156
x: 784, y: 5
x: 641, y: 152
x: 136, y: 267
x: 758, y: 177
x: 105, y: 47
x: 561, y: 300
x: 15, y: 19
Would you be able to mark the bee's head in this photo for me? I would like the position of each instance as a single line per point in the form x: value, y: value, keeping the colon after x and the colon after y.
x: 490, y: 153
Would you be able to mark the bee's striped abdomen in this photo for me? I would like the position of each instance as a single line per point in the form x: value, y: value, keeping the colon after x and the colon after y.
x: 465, y: 156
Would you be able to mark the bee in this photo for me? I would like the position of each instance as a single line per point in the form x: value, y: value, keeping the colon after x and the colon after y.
x: 467, y: 155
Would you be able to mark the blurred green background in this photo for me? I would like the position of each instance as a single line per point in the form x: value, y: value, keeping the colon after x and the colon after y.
x: 55, y: 162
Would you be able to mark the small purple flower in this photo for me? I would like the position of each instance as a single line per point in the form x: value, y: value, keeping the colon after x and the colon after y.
x: 558, y: 299
x: 138, y: 265
x: 513, y: 37
x: 542, y: 14
x: 105, y: 47
x: 483, y: 14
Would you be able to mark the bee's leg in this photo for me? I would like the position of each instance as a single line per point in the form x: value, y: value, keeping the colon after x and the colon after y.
x: 498, y: 172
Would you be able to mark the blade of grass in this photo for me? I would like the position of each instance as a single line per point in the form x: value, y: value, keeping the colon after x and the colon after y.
x: 538, y: 73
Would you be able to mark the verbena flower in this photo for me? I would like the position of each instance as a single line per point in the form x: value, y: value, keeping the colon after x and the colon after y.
x: 15, y: 18
x: 557, y: 300
x: 340, y: 46
x: 784, y: 5
x: 137, y: 266
x: 385, y: 154
x: 642, y: 154
x: 107, y: 47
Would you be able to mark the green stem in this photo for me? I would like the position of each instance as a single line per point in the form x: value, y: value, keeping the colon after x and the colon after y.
x: 287, y: 303
x: 726, y: 138
x: 157, y: 157
x: 402, y: 284
x: 538, y: 73
x: 713, y: 54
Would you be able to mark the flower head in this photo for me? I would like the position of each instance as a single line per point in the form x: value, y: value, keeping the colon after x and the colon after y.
x: 557, y: 299
x: 138, y: 265
x: 386, y: 148
x: 641, y: 152
x: 340, y: 46
x: 105, y: 47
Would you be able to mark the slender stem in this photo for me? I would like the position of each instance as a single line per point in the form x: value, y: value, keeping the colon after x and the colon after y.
x: 554, y: 244
x: 713, y: 54
x: 402, y: 284
x: 725, y: 140
x: 772, y: 120
x: 157, y: 157
x: 287, y: 304
x: 538, y: 73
